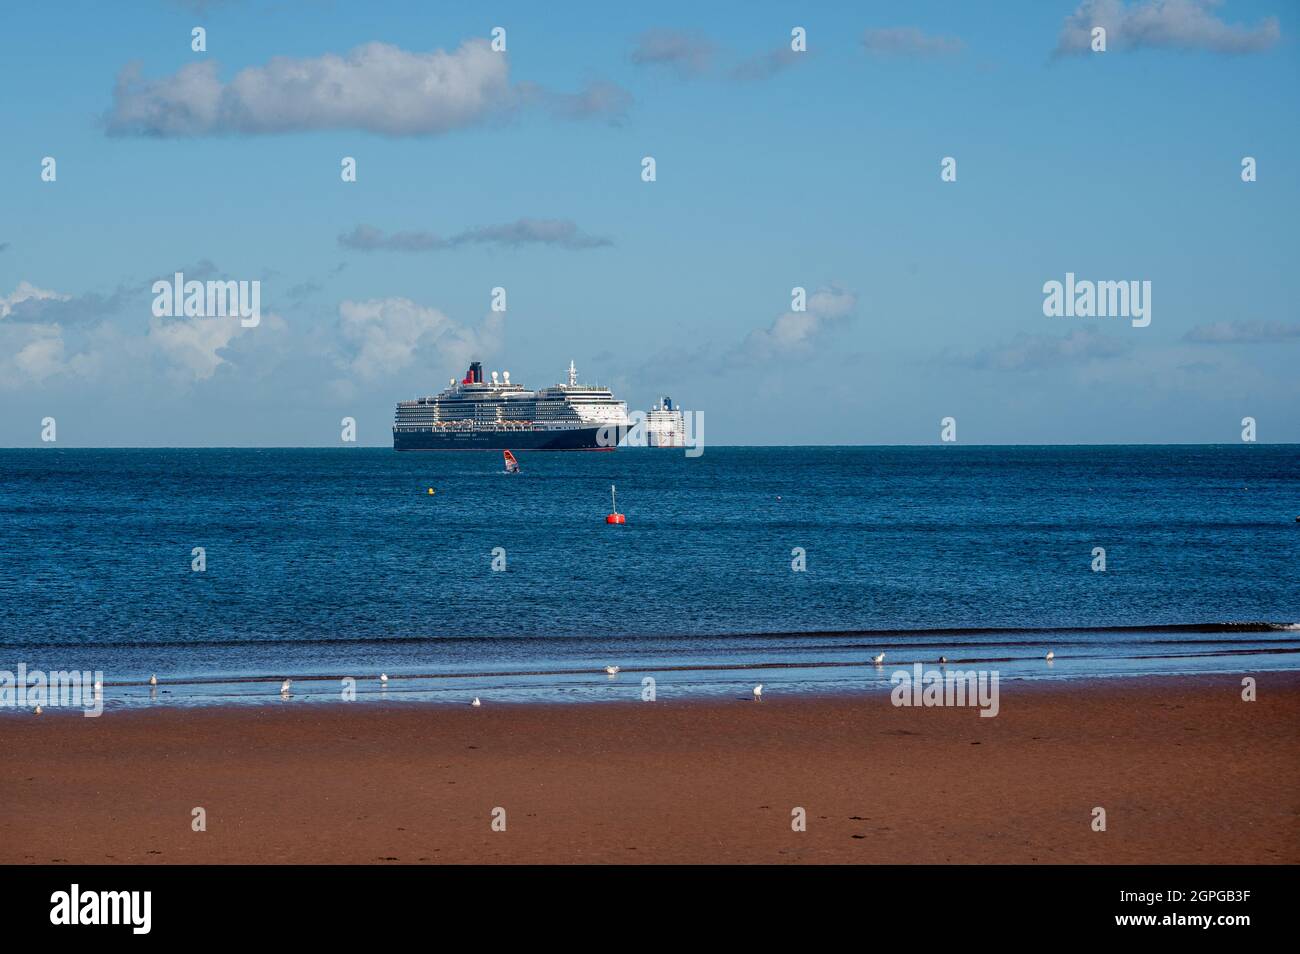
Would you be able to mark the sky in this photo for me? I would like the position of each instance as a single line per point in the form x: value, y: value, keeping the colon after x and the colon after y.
x: 775, y: 169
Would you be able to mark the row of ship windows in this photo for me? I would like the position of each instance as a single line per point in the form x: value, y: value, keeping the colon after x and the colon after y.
x: 414, y: 429
x: 489, y: 412
x: 572, y: 398
x: 486, y: 417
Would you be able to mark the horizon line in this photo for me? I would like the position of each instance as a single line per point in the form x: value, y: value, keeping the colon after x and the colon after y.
x: 388, y: 447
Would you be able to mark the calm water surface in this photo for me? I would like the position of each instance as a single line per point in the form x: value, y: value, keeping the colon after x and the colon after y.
x: 328, y: 563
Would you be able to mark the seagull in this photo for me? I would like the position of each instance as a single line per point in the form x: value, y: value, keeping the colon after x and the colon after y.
x: 612, y: 670
x: 37, y: 711
x: 758, y: 692
x: 284, y: 688
x: 879, y: 660
x: 153, y: 680
x: 942, y: 660
x: 383, y: 677
x: 476, y: 702
x: 1050, y: 656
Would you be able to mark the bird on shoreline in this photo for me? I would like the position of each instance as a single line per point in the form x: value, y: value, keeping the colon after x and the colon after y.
x: 1050, y: 656
x: 879, y: 660
x: 37, y: 711
x: 612, y: 670
x: 476, y: 702
x: 942, y: 660
x: 153, y: 680
x: 284, y: 688
x: 758, y: 692
x: 383, y: 677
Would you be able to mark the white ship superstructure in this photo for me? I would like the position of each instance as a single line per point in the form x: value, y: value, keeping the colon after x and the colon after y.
x: 665, y: 426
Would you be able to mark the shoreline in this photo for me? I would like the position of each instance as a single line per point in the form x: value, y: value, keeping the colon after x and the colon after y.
x: 1186, y: 771
x: 588, y: 688
x: 588, y: 685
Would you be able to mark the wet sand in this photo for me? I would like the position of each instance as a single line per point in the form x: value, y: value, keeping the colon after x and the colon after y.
x: 1186, y: 771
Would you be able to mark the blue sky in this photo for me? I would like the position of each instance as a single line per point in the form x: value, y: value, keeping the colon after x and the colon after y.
x: 1123, y: 165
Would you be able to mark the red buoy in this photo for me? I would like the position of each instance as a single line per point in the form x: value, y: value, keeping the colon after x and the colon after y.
x: 614, y: 517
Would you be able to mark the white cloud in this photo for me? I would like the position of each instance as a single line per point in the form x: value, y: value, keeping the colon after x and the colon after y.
x: 795, y: 331
x: 26, y: 291
x: 34, y: 351
x: 909, y: 41
x: 1026, y: 352
x: 600, y: 99
x: 686, y: 53
x: 1244, y: 332
x: 1162, y: 24
x: 194, y: 345
x: 45, y: 334
x: 767, y: 65
x: 39, y: 357
x: 376, y: 87
x: 692, y: 55
x: 383, y: 335
x: 561, y: 233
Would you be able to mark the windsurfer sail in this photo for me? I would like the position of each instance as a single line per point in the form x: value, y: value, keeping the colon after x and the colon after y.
x: 512, y: 465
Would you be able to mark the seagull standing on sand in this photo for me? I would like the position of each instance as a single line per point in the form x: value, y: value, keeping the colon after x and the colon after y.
x: 758, y: 692
x: 476, y: 702
x: 153, y: 680
x: 1050, y: 656
x: 284, y: 688
x: 37, y: 710
x: 879, y: 660
x: 612, y: 670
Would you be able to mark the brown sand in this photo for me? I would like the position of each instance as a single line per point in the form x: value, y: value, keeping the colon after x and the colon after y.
x: 1186, y: 771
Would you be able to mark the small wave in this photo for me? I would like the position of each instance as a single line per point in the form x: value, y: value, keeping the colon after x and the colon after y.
x: 1239, y: 627
x: 536, y: 673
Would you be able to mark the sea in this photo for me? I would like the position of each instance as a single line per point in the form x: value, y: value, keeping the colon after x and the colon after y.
x: 225, y: 571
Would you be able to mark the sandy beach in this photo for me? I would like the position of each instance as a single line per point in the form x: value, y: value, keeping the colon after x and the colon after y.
x: 1186, y: 771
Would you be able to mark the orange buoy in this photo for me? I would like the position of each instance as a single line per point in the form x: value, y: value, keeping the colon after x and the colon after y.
x: 614, y: 517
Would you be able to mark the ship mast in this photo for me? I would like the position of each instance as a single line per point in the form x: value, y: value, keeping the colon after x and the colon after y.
x: 573, y: 375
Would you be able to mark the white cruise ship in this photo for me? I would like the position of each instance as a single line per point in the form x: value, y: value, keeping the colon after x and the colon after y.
x: 474, y: 414
x: 665, y: 426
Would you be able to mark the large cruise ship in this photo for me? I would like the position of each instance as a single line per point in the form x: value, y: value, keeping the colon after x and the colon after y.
x: 474, y: 414
x: 665, y: 425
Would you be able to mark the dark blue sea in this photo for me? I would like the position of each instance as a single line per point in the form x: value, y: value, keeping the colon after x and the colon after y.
x: 328, y: 563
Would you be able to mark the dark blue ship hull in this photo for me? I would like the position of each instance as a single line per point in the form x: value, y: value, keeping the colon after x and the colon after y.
x: 579, y: 438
